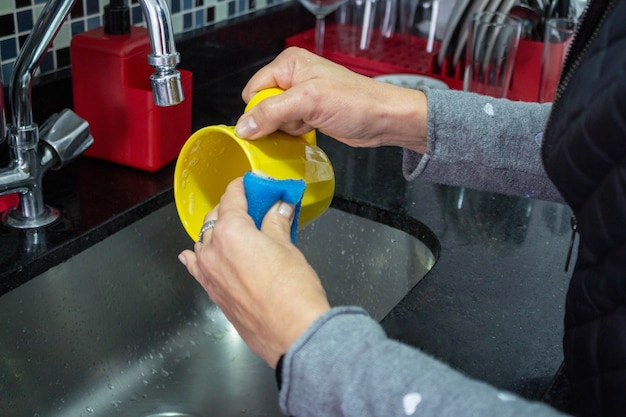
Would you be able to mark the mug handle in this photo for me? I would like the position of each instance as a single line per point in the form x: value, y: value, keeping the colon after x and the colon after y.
x: 309, y: 137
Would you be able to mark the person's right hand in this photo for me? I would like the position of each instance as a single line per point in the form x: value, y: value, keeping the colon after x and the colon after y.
x: 354, y: 109
x: 260, y: 280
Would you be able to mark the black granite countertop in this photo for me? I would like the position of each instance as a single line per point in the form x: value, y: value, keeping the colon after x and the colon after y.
x: 491, y: 307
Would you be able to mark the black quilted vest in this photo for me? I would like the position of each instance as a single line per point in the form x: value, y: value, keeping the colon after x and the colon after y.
x: 584, y: 153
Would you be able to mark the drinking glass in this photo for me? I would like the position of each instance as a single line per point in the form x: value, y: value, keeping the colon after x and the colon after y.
x: 321, y: 9
x: 492, y: 44
x: 363, y: 24
x: 559, y: 33
x: 419, y: 18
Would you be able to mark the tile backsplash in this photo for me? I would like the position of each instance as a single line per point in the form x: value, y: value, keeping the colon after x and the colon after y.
x: 17, y: 18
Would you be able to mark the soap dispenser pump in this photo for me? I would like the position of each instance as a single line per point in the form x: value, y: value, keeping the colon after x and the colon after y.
x: 112, y: 91
x: 117, y: 18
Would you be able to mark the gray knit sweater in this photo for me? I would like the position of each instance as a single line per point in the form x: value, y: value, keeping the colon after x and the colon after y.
x: 480, y: 142
x: 344, y: 364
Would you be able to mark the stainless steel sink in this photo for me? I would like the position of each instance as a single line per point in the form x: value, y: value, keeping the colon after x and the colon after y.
x: 121, y: 329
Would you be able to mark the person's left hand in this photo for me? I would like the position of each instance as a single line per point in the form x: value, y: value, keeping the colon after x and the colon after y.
x: 259, y: 279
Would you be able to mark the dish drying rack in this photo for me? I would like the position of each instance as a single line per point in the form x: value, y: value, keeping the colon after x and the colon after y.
x: 404, y: 54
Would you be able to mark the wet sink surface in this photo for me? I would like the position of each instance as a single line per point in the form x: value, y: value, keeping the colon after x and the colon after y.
x: 122, y: 330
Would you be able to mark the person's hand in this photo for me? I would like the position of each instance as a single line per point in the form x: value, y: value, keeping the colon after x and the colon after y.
x: 259, y: 279
x: 354, y: 109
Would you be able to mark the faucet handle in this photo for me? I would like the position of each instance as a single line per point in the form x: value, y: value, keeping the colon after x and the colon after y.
x: 67, y: 135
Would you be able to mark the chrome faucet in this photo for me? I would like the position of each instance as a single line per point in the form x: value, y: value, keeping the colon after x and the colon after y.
x: 34, y: 150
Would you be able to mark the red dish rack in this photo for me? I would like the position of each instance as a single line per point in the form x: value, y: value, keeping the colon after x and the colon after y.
x: 407, y: 55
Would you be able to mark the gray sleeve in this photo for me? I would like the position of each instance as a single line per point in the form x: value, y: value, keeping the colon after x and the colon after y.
x: 483, y: 143
x: 344, y: 365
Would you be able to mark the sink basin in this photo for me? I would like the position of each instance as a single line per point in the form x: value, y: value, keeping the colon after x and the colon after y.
x: 121, y: 329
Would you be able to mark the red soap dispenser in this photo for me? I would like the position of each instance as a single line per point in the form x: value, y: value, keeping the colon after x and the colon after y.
x: 111, y: 89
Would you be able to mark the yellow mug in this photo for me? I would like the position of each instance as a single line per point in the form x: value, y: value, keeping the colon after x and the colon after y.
x: 213, y: 156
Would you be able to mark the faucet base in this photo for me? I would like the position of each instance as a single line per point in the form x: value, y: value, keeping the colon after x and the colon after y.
x: 12, y: 219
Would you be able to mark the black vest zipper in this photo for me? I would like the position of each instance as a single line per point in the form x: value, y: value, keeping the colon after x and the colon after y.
x: 574, y: 224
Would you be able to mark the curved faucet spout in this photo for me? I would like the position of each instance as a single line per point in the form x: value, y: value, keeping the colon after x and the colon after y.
x: 159, y: 25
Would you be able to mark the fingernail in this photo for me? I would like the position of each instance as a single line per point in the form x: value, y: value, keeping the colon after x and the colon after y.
x: 286, y: 210
x: 182, y: 259
x: 246, y: 127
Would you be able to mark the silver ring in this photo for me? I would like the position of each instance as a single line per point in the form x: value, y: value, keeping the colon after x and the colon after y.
x: 206, y: 226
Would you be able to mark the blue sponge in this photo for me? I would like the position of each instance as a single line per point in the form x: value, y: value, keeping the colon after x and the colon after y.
x: 263, y: 192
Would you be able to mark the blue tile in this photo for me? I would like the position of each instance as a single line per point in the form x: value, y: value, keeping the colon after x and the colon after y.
x: 243, y: 6
x: 136, y: 15
x: 7, y: 69
x: 175, y: 6
x: 187, y: 4
x: 93, y: 22
x: 187, y: 21
x: 24, y: 20
x: 8, y: 49
x: 231, y: 8
x: 78, y: 27
x: 93, y: 7
x: 199, y: 18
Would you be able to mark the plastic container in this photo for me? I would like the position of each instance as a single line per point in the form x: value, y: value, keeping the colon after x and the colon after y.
x: 8, y: 201
x: 111, y: 89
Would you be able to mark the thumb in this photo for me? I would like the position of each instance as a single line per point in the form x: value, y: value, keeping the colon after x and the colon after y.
x: 190, y: 261
x: 285, y: 111
x: 277, y: 222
